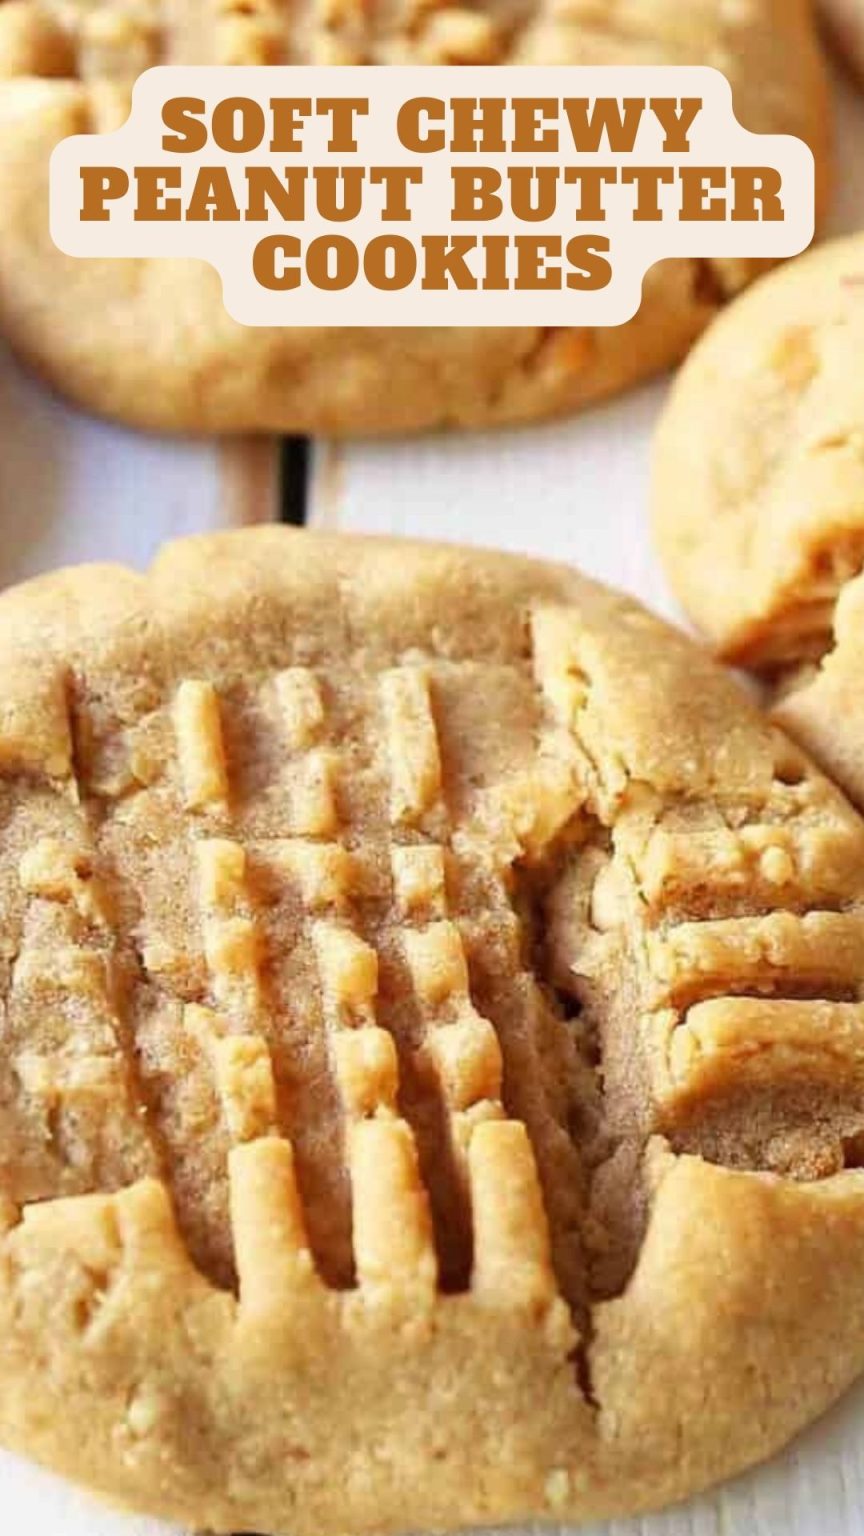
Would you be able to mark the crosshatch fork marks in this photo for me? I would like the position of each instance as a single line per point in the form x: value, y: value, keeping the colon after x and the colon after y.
x: 343, y: 908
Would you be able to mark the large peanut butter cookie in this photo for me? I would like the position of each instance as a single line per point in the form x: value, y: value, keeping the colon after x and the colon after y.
x: 432, y: 1045
x: 759, y: 495
x: 150, y: 341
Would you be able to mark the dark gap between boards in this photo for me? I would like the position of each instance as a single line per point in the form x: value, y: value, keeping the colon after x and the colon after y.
x: 294, y: 471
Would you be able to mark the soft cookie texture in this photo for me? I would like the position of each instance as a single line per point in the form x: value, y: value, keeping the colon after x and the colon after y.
x: 759, y: 495
x: 432, y: 1045
x: 758, y: 466
x: 150, y: 342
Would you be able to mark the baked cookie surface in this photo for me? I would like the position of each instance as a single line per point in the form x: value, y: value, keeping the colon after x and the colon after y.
x: 432, y: 1045
x: 150, y: 342
x: 758, y: 472
x: 759, y: 495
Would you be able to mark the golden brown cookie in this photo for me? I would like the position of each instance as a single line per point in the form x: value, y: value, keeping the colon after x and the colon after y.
x: 758, y: 465
x: 759, y: 495
x: 432, y: 1045
x: 150, y: 342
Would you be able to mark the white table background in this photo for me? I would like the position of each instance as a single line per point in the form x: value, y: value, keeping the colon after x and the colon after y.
x: 75, y: 489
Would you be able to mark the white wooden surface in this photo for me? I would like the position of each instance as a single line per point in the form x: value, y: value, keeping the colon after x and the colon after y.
x: 73, y: 489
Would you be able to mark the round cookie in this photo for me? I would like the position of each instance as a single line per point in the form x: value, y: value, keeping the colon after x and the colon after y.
x: 758, y: 467
x: 846, y: 21
x: 149, y: 342
x: 422, y: 1034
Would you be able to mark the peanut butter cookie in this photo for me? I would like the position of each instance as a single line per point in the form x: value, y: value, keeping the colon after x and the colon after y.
x: 759, y: 495
x: 432, y: 1045
x: 758, y: 467
x: 150, y: 342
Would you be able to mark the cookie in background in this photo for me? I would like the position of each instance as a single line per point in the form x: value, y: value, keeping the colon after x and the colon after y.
x: 149, y: 342
x: 758, y: 476
x: 759, y: 495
